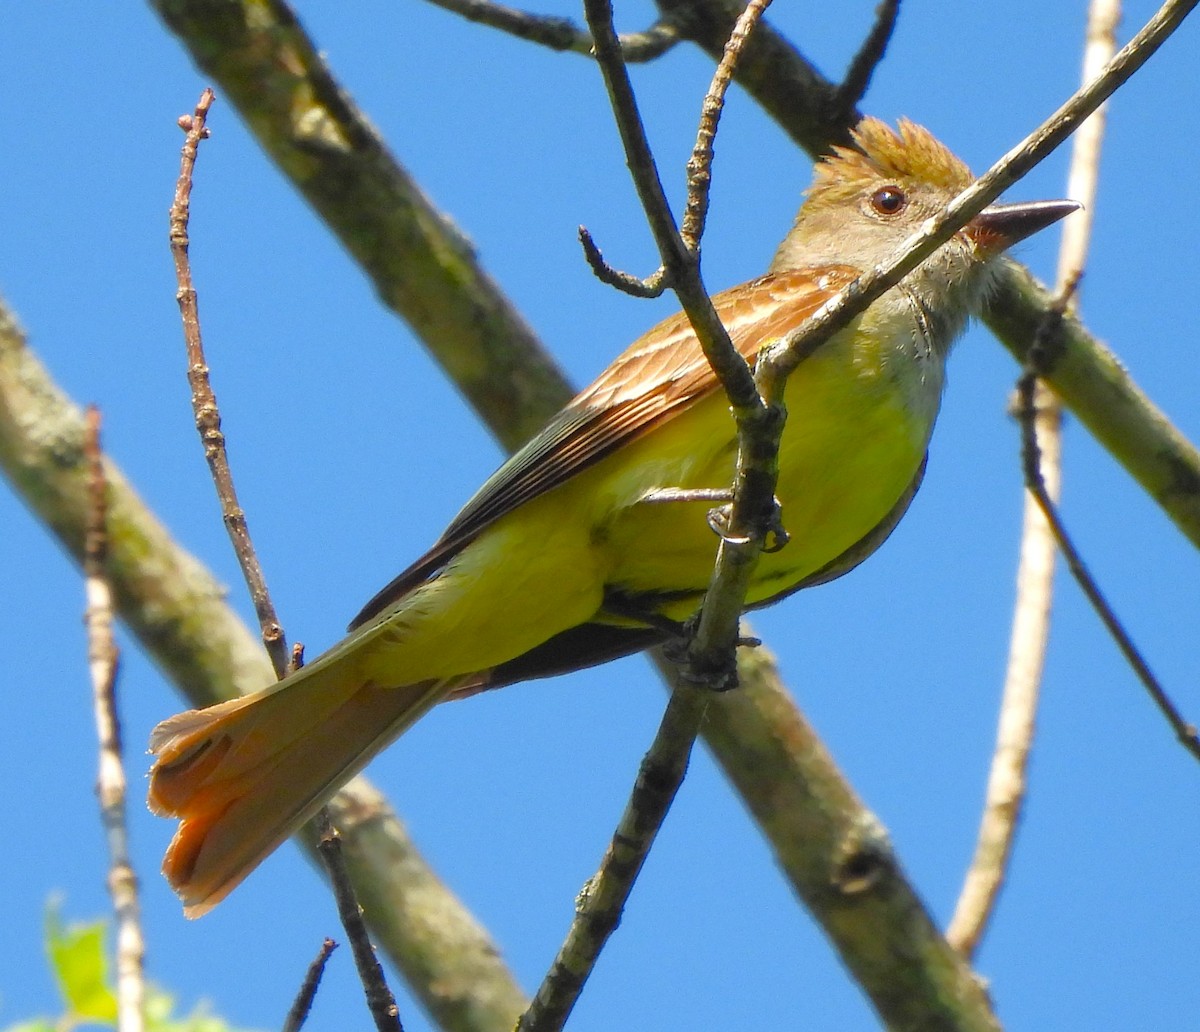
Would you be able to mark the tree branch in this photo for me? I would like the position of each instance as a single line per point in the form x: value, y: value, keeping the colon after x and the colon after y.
x: 1092, y: 382
x: 1035, y: 571
x: 204, y: 400
x: 561, y: 33
x: 858, y: 76
x: 602, y: 901
x: 1185, y: 731
x: 807, y: 106
x: 104, y: 661
x: 681, y: 263
x: 836, y: 855
x: 298, y: 1013
x: 600, y: 904
x: 422, y: 267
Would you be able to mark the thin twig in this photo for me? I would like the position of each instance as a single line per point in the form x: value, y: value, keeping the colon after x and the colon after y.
x: 380, y: 1000
x: 600, y: 904
x: 561, y: 33
x: 1007, y: 777
x: 308, y: 988
x: 635, y: 286
x: 103, y: 661
x: 709, y: 655
x: 699, y: 166
x: 774, y: 73
x: 204, y: 402
x: 208, y: 421
x: 599, y: 907
x: 858, y: 76
x: 1035, y: 571
x: 682, y: 265
x: 1184, y: 730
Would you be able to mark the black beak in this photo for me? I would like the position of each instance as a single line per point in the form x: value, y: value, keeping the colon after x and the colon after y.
x: 1001, y: 225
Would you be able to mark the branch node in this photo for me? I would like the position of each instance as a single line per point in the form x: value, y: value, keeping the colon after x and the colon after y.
x: 864, y: 857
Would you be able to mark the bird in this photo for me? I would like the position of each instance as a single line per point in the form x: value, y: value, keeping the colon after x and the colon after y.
x: 591, y: 542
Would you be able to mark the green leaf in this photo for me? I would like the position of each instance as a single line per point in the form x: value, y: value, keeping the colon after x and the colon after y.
x: 81, y: 968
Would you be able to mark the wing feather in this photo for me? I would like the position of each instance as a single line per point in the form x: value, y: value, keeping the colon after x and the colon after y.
x: 659, y: 376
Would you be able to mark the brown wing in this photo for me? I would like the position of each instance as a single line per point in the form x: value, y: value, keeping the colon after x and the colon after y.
x: 661, y: 374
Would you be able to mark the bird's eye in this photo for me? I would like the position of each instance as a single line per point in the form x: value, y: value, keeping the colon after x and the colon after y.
x: 888, y: 200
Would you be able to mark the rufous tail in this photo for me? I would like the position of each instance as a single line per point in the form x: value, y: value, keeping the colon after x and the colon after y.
x: 243, y: 775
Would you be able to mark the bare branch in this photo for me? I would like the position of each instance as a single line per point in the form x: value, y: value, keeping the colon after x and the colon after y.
x: 699, y: 166
x: 786, y: 85
x: 298, y: 1013
x: 1035, y: 570
x: 1185, y: 731
x: 204, y: 401
x: 561, y: 33
x: 1018, y: 709
x: 682, y: 265
x: 380, y: 1000
x: 600, y: 903
x: 1095, y: 385
x: 870, y: 54
x: 652, y: 286
x: 104, y: 659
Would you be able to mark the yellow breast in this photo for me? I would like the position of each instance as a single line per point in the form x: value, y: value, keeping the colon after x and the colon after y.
x: 859, y: 420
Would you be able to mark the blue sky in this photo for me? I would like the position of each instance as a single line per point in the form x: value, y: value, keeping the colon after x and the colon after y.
x: 513, y: 796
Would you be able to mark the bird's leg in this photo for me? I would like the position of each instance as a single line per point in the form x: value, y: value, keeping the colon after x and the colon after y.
x: 687, y: 494
x: 775, y: 535
x: 718, y: 519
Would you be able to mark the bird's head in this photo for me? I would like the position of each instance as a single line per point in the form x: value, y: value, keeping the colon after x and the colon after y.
x: 866, y: 199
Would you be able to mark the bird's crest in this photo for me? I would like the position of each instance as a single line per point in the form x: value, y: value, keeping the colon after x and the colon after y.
x: 881, y: 152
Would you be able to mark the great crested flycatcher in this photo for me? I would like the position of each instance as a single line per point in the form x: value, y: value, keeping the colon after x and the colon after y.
x: 560, y: 560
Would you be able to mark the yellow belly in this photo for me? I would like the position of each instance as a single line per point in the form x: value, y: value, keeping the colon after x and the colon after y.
x: 852, y: 444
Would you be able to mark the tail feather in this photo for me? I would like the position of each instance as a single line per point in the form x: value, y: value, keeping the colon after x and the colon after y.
x: 243, y: 775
